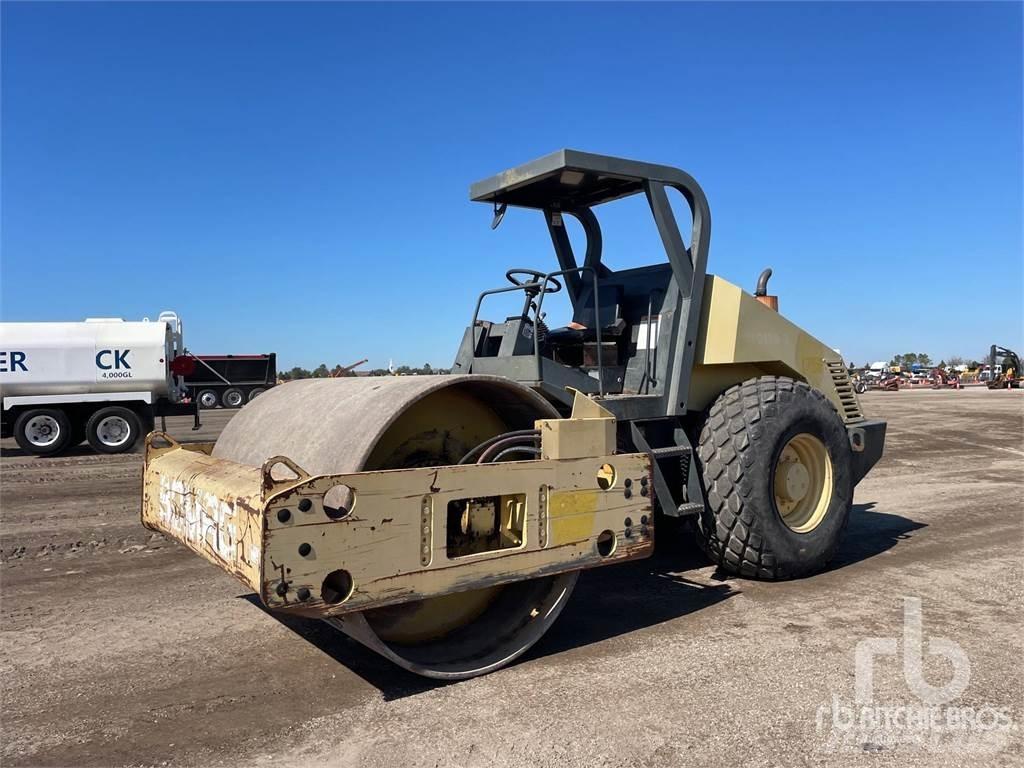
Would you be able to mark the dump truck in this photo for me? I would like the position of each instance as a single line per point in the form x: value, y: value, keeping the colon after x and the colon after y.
x: 230, y: 380
x: 443, y: 521
x: 104, y: 380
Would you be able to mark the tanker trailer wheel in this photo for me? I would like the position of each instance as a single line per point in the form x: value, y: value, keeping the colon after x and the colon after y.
x: 352, y: 424
x: 113, y: 430
x: 42, y: 431
x: 207, y: 398
x: 775, y: 461
x: 232, y: 397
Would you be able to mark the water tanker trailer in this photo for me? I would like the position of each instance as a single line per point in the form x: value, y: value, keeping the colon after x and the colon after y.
x: 103, y: 380
x: 443, y: 521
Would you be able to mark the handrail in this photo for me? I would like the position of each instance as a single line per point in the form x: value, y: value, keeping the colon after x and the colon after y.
x: 492, y: 292
x: 542, y: 283
x: 648, y: 379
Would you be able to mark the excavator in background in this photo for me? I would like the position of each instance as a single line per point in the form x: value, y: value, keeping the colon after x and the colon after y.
x: 943, y: 379
x: 347, y: 370
x: 1009, y: 376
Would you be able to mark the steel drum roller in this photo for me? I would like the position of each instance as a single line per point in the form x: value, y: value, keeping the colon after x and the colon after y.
x: 333, y: 426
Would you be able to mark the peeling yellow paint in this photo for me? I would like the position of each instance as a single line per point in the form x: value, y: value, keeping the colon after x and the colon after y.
x: 279, y: 539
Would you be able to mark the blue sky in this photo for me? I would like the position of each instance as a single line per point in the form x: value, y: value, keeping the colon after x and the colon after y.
x: 293, y: 178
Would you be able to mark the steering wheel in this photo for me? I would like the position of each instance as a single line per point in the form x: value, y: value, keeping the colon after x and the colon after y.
x: 550, y: 285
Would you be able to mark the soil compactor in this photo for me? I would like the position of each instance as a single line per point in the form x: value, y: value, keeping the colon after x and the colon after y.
x: 443, y: 521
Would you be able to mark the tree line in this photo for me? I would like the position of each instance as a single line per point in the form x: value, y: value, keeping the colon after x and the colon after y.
x: 924, y: 360
x: 323, y: 372
x: 911, y: 359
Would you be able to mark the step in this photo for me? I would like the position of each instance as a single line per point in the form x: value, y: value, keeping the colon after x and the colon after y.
x: 669, y: 451
x: 689, y: 509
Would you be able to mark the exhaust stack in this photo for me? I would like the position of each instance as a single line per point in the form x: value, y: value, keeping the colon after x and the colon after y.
x: 761, y: 292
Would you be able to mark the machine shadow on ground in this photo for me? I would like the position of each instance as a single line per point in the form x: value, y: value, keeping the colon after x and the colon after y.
x: 617, y: 600
x: 610, y: 601
x: 869, y: 533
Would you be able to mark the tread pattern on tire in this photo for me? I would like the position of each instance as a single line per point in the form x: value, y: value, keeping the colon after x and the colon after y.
x: 730, y: 531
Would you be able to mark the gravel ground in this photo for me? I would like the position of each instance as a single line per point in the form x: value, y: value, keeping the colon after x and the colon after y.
x: 118, y: 647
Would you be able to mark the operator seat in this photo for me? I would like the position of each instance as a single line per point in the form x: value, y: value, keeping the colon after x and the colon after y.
x: 583, y: 327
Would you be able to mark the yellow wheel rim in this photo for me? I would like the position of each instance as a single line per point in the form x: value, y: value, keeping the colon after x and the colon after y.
x: 802, y: 483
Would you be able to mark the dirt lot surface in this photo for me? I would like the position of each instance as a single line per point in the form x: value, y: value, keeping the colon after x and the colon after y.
x: 121, y: 648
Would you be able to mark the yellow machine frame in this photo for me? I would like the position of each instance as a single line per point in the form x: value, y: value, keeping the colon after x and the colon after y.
x: 578, y: 506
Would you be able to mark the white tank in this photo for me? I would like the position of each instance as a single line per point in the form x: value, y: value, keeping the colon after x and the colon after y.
x: 94, y: 356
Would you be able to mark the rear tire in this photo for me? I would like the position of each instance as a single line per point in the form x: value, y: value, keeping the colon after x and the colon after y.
x: 776, y: 464
x: 42, y: 431
x: 256, y: 391
x: 113, y: 430
x: 232, y: 397
x: 207, y: 398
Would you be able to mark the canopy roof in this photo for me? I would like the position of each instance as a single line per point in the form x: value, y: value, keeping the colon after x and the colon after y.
x: 569, y: 179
